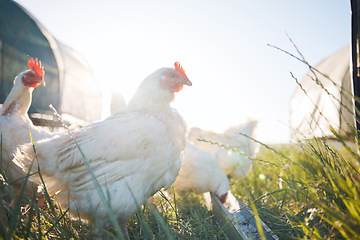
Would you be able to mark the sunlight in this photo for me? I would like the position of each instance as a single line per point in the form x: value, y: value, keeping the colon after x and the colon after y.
x: 235, y: 75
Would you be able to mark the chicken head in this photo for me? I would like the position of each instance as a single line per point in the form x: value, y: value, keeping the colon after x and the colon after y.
x: 35, y: 75
x: 174, y: 79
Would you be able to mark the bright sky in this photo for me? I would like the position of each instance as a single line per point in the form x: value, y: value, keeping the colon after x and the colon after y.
x: 222, y: 46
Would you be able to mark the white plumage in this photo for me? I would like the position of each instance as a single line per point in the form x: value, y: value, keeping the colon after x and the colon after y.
x: 234, y: 165
x: 133, y: 153
x: 200, y: 172
x: 15, y: 124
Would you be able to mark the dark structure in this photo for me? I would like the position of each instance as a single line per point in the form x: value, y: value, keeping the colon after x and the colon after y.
x: 70, y: 84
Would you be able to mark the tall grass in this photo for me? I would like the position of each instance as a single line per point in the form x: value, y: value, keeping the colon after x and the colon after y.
x: 165, y: 217
x: 317, y: 198
x: 309, y: 189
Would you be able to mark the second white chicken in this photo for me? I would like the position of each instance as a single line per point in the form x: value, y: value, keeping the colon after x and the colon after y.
x: 234, y: 164
x: 15, y: 124
x: 200, y: 173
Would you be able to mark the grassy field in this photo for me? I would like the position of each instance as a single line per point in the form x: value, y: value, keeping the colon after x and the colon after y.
x: 307, y: 190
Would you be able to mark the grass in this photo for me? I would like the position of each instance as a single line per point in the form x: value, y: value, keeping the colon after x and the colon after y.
x: 318, y: 197
x: 311, y: 189
x: 305, y: 190
x: 166, y: 217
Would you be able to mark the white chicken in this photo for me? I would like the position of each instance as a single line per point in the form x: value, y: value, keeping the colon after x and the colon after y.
x: 234, y: 164
x: 15, y: 123
x: 133, y: 153
x: 200, y: 172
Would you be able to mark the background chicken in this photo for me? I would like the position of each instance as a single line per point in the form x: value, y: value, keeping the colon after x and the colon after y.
x: 15, y: 123
x: 200, y: 172
x: 133, y: 153
x: 234, y: 165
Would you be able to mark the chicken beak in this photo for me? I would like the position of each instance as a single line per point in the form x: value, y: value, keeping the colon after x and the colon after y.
x: 187, y: 82
x: 42, y: 82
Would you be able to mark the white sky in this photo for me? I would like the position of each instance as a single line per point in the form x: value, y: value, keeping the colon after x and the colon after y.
x: 222, y: 46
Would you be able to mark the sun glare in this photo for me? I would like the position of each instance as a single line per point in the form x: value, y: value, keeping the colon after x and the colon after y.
x: 223, y: 48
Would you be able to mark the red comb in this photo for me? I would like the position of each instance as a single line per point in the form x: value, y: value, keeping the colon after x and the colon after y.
x: 36, y: 66
x: 179, y: 68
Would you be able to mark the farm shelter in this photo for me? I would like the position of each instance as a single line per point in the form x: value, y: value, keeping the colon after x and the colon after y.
x: 327, y: 102
x: 70, y: 83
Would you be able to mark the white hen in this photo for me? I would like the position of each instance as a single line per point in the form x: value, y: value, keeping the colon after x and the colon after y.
x: 234, y: 165
x: 133, y: 153
x: 200, y: 172
x: 15, y: 122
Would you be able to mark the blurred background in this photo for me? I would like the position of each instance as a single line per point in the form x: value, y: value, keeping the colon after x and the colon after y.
x: 99, y: 49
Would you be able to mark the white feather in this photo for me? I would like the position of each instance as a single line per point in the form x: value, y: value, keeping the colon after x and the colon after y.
x: 234, y: 164
x: 200, y: 172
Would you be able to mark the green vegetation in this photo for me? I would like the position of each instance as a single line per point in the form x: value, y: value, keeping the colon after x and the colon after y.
x: 305, y: 190
x: 308, y: 190
x: 168, y: 216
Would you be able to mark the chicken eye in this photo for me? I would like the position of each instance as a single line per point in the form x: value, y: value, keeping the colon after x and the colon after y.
x: 171, y: 75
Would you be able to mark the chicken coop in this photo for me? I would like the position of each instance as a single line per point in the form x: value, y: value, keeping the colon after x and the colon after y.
x: 324, y: 100
x: 70, y: 83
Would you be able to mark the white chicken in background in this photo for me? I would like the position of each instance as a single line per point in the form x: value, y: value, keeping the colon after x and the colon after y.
x: 133, y: 153
x: 15, y: 123
x: 234, y: 164
x: 200, y: 173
